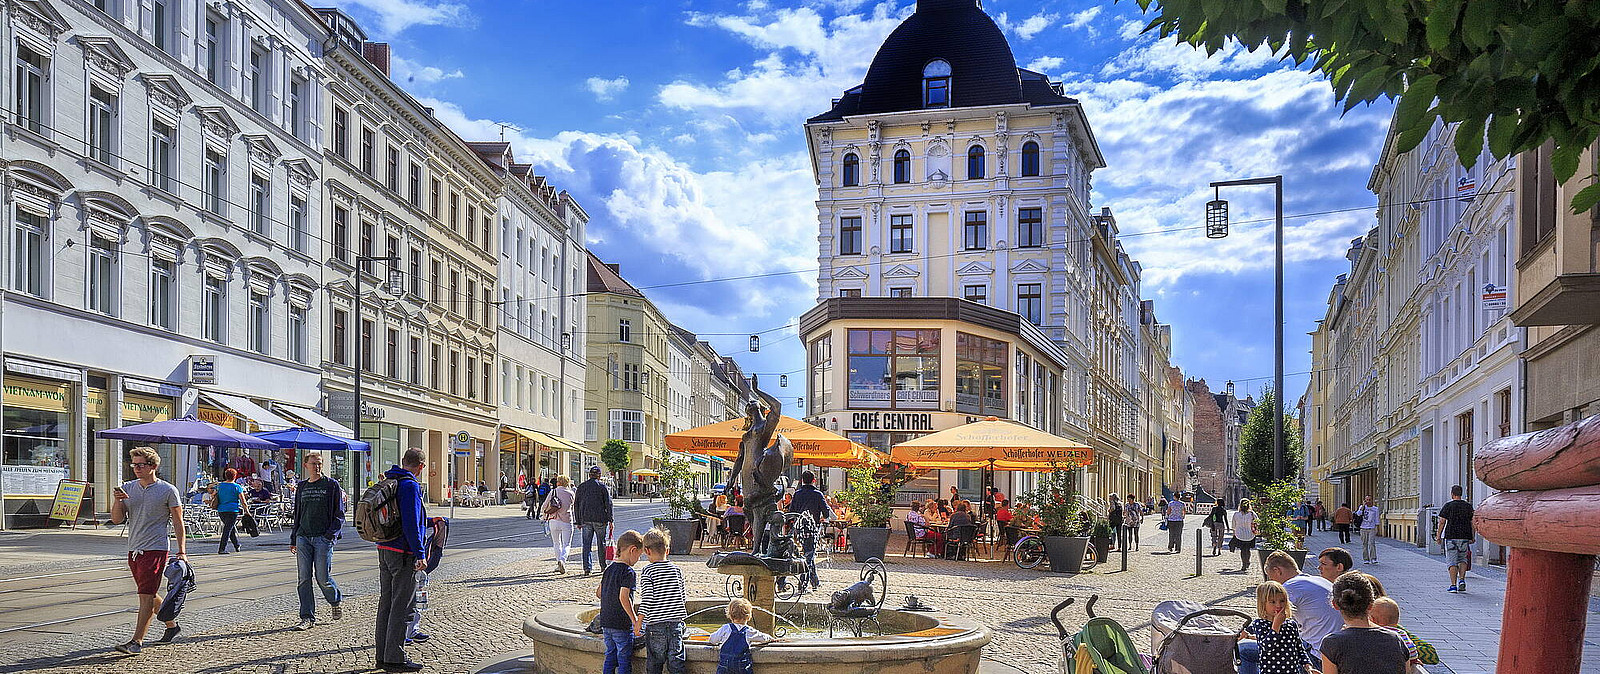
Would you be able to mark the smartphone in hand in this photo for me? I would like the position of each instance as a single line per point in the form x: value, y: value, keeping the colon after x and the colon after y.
x: 119, y: 493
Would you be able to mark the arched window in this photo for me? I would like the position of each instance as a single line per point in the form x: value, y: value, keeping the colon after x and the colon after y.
x: 852, y: 171
x: 1030, y: 158
x: 902, y: 166
x: 936, y: 84
x: 975, y: 162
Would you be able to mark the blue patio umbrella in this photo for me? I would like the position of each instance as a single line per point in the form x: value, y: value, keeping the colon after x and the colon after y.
x: 312, y: 439
x: 186, y: 431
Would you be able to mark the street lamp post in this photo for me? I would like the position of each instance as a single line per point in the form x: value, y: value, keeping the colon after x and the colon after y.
x: 1216, y: 228
x: 395, y: 287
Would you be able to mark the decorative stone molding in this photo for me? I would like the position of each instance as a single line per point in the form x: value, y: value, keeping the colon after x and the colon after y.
x: 165, y: 92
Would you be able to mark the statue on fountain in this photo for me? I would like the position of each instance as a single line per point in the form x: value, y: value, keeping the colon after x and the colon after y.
x: 761, y: 462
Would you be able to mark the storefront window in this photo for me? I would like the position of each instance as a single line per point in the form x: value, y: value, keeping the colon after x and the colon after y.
x: 821, y: 393
x: 980, y: 375
x: 894, y: 369
x: 38, y: 429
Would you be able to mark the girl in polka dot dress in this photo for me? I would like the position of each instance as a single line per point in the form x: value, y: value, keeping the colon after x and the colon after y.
x: 1282, y: 651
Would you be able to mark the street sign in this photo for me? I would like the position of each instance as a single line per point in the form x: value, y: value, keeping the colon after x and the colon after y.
x: 1494, y: 297
x: 202, y: 369
x: 461, y: 441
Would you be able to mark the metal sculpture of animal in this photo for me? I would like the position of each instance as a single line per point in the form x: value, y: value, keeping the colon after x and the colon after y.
x: 858, y: 595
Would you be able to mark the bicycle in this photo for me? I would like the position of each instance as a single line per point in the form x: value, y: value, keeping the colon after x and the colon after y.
x: 1029, y: 551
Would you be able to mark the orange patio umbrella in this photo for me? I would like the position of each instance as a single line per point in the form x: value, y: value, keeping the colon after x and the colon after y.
x: 993, y: 444
x: 812, y: 444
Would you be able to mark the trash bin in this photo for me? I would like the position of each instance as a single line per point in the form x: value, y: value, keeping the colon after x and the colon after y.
x: 1429, y: 528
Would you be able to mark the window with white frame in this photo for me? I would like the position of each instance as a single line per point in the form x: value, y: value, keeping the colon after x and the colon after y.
x: 163, y: 293
x: 415, y: 272
x: 102, y: 125
x: 414, y: 363
x: 260, y: 323
x: 297, y: 106
x: 216, y: 45
x: 161, y: 22
x: 976, y: 293
x: 214, y: 309
x: 391, y: 353
x: 260, y: 201
x: 32, y: 70
x: 591, y: 425
x: 102, y: 274
x: 630, y: 376
x: 627, y: 425
x: 368, y: 152
x: 258, y: 80
x: 163, y: 150
x: 299, y: 237
x: 27, y: 253
x: 341, y: 133
x: 624, y: 330
x: 215, y: 175
x: 936, y: 84
x: 414, y: 195
x: 391, y: 167
x: 297, y: 333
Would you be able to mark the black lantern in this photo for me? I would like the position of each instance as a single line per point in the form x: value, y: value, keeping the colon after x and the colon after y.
x: 755, y: 343
x: 800, y: 403
x: 396, y: 284
x: 1217, y: 218
x: 783, y: 380
x: 566, y: 341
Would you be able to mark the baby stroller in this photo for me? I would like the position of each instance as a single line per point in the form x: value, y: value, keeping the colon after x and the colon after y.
x: 1101, y: 647
x: 1189, y: 638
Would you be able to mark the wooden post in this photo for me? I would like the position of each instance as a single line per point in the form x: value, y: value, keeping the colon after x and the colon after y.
x: 1547, y: 601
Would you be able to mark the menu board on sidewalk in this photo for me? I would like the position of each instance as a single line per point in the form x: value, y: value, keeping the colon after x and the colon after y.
x: 31, y: 480
x: 69, y: 500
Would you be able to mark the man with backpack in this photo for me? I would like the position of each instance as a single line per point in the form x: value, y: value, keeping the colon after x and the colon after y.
x: 390, y: 513
x: 318, y: 516
x: 592, y: 511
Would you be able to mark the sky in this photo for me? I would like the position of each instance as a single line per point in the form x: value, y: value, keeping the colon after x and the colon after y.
x: 678, y: 128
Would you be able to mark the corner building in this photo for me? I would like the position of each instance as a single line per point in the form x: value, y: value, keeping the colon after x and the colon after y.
x: 949, y: 172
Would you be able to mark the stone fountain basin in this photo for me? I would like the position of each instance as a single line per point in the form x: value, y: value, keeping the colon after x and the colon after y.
x: 931, y: 643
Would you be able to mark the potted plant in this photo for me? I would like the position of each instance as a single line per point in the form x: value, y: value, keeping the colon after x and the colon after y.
x: 677, y: 488
x: 1272, y: 517
x: 864, y: 496
x: 1060, y: 521
x: 1100, y: 535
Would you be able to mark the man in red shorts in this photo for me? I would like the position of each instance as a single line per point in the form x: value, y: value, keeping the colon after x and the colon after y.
x: 148, y: 505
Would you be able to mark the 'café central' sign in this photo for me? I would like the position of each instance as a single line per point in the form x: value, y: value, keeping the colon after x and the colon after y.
x: 891, y: 421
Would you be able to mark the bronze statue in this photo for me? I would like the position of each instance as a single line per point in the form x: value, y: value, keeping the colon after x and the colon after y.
x: 760, y: 463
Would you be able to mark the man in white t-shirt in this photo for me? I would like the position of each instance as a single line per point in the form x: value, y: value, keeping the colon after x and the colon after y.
x: 1369, y: 530
x: 1244, y: 534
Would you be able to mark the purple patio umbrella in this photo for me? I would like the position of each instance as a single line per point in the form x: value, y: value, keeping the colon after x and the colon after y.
x: 306, y: 438
x: 186, y: 431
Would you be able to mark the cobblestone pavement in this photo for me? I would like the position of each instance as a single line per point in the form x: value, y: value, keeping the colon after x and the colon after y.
x: 479, y: 599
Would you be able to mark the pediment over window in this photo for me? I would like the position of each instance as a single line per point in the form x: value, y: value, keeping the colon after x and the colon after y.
x: 262, y: 148
x: 39, y: 18
x: 1029, y: 267
x: 217, y: 122
x: 975, y: 268
x: 165, y: 90
x: 849, y: 273
x: 901, y: 271
x: 301, y: 171
x: 103, y: 54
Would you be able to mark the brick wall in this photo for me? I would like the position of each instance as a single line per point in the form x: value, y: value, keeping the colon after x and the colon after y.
x: 1210, y: 443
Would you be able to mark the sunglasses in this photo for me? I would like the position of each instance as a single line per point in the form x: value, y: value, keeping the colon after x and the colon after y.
x: 141, y: 465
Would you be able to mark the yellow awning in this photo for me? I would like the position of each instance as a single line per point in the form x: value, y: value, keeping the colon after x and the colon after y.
x: 995, y: 444
x: 812, y: 444
x: 547, y: 440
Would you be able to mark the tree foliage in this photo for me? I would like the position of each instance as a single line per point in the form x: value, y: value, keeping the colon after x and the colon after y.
x: 1522, y: 72
x: 1054, y: 500
x: 614, y: 454
x: 677, y: 484
x: 1272, y: 512
x: 1255, y: 446
x: 864, y: 495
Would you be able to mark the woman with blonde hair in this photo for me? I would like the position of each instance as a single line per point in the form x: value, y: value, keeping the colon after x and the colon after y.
x: 557, y: 509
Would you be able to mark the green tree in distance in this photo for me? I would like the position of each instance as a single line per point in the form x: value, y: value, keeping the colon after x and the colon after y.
x: 614, y: 454
x: 1255, y: 447
x: 1525, y: 72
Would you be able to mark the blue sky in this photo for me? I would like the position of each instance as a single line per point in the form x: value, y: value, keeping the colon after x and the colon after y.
x: 677, y: 125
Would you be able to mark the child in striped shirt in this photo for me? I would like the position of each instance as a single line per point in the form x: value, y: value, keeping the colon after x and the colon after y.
x: 661, y: 606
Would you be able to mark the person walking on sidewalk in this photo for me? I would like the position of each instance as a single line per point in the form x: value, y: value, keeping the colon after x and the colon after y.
x: 1368, y: 514
x: 1132, y: 515
x: 808, y: 499
x: 592, y: 512
x: 148, y: 504
x: 1114, y: 518
x: 319, y: 505
x: 230, y: 502
x: 1341, y: 522
x: 398, y: 561
x: 558, y: 514
x: 1174, y: 526
x: 1244, y: 534
x: 1455, y: 532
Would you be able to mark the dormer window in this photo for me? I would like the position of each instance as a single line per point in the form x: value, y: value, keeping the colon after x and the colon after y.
x: 936, y: 84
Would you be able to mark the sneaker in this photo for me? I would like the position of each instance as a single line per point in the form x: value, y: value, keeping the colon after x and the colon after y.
x: 1452, y: 589
x: 304, y: 625
x: 1462, y: 586
x: 561, y: 567
x: 418, y: 638
x: 131, y: 648
x: 170, y: 633
x: 337, y: 611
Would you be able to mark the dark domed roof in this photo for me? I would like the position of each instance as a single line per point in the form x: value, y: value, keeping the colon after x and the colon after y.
x: 983, y: 71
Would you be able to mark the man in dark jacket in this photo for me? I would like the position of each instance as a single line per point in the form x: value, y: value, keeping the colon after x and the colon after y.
x: 318, y: 516
x: 591, y: 511
x: 398, y: 561
x: 809, y: 499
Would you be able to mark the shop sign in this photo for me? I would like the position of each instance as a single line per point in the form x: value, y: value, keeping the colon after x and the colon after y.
x: 37, y: 481
x: 38, y: 395
x: 216, y: 416
x: 69, y: 500
x: 145, y: 409
x: 891, y: 421
x: 202, y: 369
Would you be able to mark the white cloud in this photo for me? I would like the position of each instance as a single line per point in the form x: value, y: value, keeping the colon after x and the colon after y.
x: 605, y: 90
x: 1029, y: 27
x: 409, y: 72
x: 1082, y: 19
x: 394, y: 16
x: 1045, y: 64
x: 1153, y: 55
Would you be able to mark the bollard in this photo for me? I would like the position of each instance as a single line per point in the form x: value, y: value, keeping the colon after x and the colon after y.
x: 1199, y: 556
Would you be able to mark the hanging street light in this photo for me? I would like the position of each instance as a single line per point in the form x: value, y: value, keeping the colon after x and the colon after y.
x: 1217, y: 217
x: 755, y: 343
x: 566, y: 341
x: 783, y: 380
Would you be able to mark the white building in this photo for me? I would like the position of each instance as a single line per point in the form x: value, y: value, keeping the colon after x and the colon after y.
x: 162, y: 185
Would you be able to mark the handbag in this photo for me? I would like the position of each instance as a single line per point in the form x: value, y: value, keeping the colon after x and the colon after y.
x: 1356, y: 519
x: 611, y: 549
x: 1163, y: 525
x: 248, y: 522
x: 552, y: 506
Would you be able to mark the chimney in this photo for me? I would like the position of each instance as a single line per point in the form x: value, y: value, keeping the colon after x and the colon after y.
x: 615, y: 268
x: 377, y: 53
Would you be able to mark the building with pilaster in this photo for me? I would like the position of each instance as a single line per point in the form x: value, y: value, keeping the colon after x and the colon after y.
x: 162, y: 185
x: 628, y: 377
